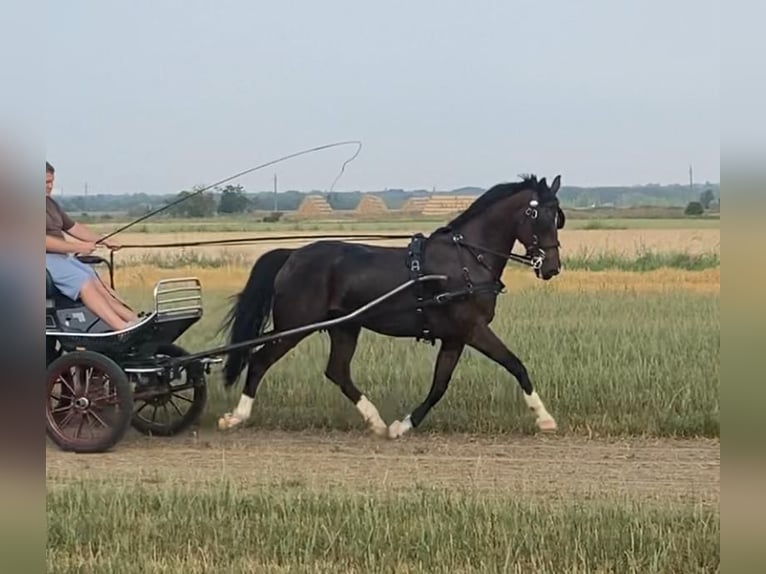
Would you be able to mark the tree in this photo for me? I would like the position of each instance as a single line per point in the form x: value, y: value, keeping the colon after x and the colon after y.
x: 706, y: 198
x: 200, y: 205
x: 694, y: 208
x: 233, y: 200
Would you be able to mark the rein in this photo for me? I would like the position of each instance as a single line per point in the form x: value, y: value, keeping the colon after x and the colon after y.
x: 256, y: 240
x: 535, y: 262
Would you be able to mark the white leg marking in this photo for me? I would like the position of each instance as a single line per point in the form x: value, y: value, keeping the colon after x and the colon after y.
x: 399, y: 428
x: 241, y: 413
x: 371, y: 416
x: 545, y: 421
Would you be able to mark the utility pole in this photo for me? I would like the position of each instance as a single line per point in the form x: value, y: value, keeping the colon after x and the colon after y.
x: 85, y: 200
x: 691, y: 180
x: 275, y: 193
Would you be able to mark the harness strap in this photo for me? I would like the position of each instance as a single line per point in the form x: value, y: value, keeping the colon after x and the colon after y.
x: 415, y: 263
x: 415, y: 254
x: 494, y: 287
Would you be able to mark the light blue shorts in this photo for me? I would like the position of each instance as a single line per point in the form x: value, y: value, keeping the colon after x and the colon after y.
x: 68, y: 273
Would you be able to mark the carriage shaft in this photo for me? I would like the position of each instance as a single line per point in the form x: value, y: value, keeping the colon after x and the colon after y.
x: 275, y: 335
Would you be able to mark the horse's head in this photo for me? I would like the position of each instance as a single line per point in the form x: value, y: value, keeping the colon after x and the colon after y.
x: 538, y: 231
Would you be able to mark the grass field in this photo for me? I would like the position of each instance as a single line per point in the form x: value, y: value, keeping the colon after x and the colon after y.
x: 609, y: 358
x: 223, y: 527
x: 626, y: 358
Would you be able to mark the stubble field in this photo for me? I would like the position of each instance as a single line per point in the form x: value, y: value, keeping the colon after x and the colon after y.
x: 627, y: 362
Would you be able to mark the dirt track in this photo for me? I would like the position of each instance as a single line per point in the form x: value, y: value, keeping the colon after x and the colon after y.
x: 672, y: 470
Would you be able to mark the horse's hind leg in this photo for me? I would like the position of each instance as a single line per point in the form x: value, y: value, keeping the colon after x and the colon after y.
x: 343, y: 340
x: 260, y: 362
x: 484, y: 340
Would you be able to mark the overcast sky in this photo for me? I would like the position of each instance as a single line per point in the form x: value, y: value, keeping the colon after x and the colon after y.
x: 158, y: 95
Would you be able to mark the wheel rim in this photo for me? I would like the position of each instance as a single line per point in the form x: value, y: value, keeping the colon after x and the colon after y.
x: 82, y: 406
x: 175, y: 402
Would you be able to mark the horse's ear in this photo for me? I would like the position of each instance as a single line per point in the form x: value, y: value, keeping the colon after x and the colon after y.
x: 556, y: 185
x: 542, y: 184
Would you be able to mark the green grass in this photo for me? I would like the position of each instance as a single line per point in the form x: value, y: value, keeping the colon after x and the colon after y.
x: 603, y: 362
x: 222, y: 527
x: 599, y: 224
x: 382, y: 224
x: 645, y: 260
x: 648, y: 223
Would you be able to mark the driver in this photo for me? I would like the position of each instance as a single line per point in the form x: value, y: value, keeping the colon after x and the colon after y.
x: 72, y: 277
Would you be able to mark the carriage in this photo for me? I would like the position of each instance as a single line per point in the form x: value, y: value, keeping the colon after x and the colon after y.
x: 100, y: 382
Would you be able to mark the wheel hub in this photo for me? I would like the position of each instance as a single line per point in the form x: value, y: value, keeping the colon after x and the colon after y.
x: 82, y: 403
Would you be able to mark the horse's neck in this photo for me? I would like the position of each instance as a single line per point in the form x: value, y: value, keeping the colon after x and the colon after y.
x: 496, y: 229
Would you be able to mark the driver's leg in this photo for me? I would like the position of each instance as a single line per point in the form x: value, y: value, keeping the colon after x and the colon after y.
x: 94, y: 300
x: 76, y: 281
x: 124, y: 313
x: 104, y: 293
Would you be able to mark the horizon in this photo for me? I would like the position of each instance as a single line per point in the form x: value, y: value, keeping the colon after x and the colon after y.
x: 697, y: 184
x: 58, y: 191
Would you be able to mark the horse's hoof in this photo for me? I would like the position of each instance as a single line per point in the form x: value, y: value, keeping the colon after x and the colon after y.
x: 547, y: 425
x: 228, y: 421
x: 398, y: 429
x: 381, y: 431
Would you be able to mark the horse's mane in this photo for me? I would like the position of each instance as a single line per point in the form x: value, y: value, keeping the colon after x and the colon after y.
x: 492, y: 196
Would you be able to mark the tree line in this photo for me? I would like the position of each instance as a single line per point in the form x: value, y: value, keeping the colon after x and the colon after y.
x: 234, y: 199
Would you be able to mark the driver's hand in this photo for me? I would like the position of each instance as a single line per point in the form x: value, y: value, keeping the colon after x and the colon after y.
x: 113, y: 245
x: 87, y: 247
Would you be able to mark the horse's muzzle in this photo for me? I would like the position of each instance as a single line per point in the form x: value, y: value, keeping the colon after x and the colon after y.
x: 547, y: 274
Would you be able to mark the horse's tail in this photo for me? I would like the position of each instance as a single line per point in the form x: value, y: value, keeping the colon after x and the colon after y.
x: 247, y: 317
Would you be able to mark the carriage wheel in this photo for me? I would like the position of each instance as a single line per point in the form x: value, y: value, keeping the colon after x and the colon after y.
x: 179, y: 405
x: 88, y: 402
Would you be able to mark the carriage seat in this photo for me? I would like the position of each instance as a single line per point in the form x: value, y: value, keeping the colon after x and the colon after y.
x: 55, y: 298
x: 50, y: 288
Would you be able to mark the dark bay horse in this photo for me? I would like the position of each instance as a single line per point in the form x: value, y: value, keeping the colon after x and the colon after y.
x: 328, y: 279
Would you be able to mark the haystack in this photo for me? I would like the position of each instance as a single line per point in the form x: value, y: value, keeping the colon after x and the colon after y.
x: 371, y: 205
x: 415, y: 204
x: 314, y: 206
x: 442, y: 205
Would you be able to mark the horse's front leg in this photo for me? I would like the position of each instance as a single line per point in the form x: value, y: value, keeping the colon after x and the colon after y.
x: 449, y: 354
x: 484, y: 340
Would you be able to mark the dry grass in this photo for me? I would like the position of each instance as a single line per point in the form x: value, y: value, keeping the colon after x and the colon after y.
x: 625, y: 242
x: 232, y: 278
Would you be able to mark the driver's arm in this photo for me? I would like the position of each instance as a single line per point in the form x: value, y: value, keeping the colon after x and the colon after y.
x: 79, y: 231
x: 58, y: 245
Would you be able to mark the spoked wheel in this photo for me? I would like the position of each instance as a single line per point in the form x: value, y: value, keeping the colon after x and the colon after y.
x: 88, y: 402
x: 168, y: 407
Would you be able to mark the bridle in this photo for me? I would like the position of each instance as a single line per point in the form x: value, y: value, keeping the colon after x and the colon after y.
x: 536, y: 261
x: 535, y: 251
